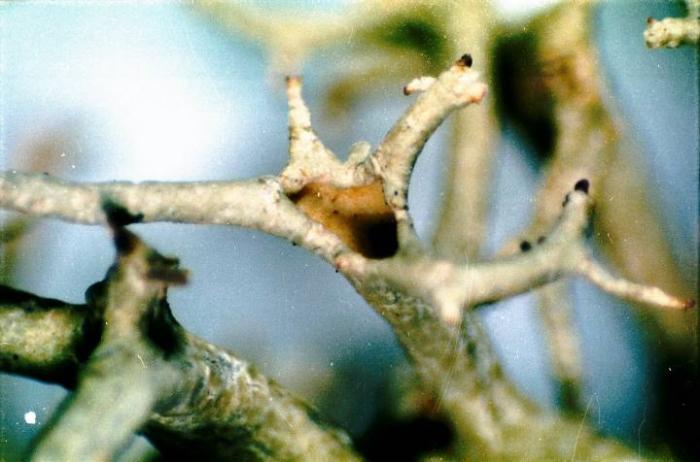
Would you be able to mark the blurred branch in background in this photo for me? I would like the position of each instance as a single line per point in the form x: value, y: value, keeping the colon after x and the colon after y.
x: 590, y: 139
x: 53, y: 151
x: 674, y: 32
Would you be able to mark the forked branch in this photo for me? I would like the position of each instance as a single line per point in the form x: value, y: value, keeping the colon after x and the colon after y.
x: 191, y: 396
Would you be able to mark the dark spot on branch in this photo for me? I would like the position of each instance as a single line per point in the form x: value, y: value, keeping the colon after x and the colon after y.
x: 162, y: 328
x: 466, y: 60
x: 541, y: 239
x: 405, y: 91
x: 582, y: 185
x: 358, y: 215
x: 125, y: 241
x: 379, y: 238
x: 525, y: 246
x: 117, y: 215
x: 566, y: 200
x: 650, y: 21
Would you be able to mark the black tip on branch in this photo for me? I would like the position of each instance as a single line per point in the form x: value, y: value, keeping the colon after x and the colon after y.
x: 525, y: 246
x: 466, y: 60
x: 582, y: 185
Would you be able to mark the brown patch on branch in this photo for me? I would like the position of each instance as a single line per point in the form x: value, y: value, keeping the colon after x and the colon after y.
x: 357, y: 215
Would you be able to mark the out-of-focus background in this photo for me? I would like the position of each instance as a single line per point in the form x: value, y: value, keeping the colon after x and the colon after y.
x: 100, y: 91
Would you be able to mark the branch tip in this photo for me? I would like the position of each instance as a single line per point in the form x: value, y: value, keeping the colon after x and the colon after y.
x: 293, y: 81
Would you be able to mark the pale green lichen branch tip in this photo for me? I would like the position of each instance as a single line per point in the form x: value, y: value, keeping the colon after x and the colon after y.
x: 674, y: 32
x: 309, y: 160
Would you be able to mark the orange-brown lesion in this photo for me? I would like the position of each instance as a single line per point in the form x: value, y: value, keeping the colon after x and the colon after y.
x: 359, y: 216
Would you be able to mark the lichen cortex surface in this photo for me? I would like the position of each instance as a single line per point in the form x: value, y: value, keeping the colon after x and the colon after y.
x: 358, y: 215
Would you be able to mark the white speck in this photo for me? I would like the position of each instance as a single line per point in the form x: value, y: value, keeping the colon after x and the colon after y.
x: 63, y: 154
x: 332, y: 363
x: 72, y: 166
x: 30, y: 417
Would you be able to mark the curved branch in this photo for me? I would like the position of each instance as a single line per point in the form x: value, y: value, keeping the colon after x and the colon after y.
x: 394, y: 158
x: 451, y: 287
